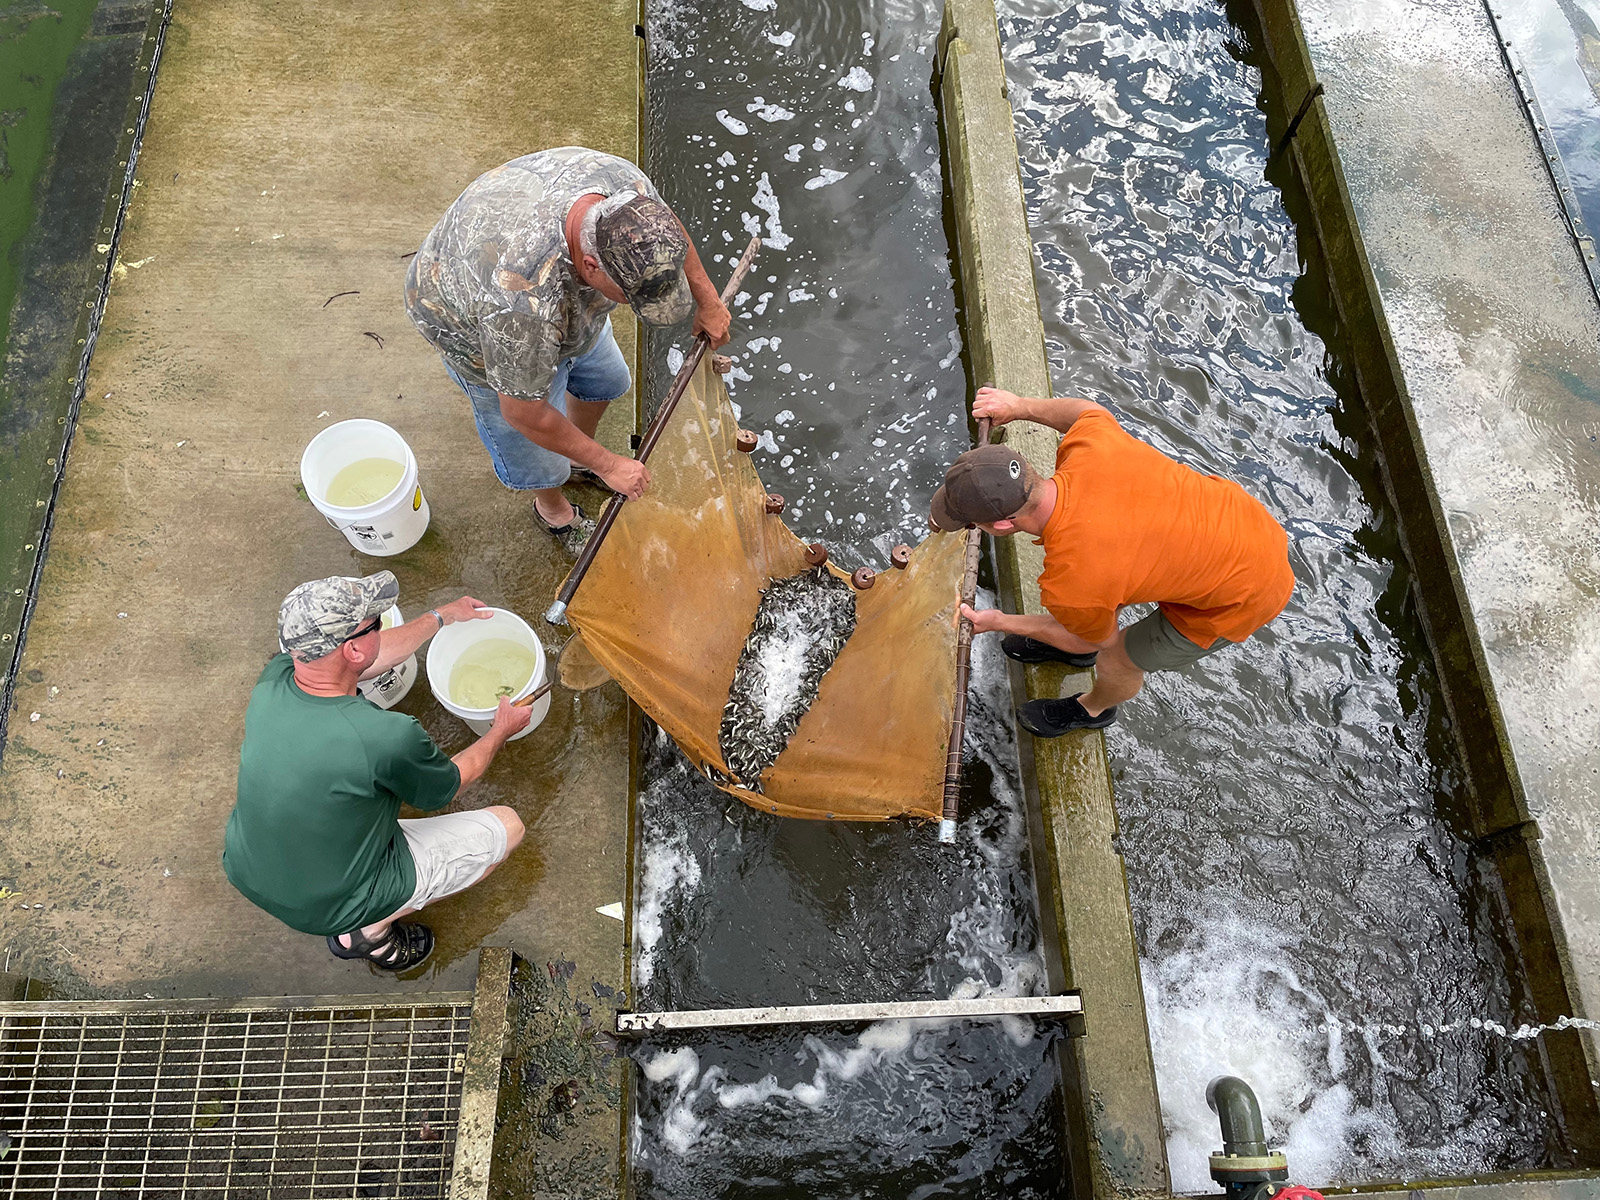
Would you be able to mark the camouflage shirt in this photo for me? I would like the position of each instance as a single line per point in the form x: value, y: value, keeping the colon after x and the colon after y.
x: 493, y: 287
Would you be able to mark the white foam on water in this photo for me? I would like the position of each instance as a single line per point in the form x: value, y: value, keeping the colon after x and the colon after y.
x: 826, y: 177
x: 731, y: 123
x: 792, y: 154
x: 669, y: 867
x: 769, y: 112
x: 1229, y: 1002
x: 674, y: 360
x: 858, y: 80
x: 760, y: 5
x: 785, y: 39
x: 767, y: 201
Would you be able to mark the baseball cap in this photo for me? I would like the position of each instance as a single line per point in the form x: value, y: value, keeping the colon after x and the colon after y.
x: 317, y: 616
x: 642, y: 247
x: 984, y: 485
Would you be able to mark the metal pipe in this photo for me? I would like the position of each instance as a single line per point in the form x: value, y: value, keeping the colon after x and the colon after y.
x: 958, y: 725
x: 1246, y: 1167
x: 1232, y: 1099
x: 556, y: 614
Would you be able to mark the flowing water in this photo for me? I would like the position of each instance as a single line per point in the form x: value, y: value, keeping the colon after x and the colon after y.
x: 735, y: 907
x: 1308, y: 915
x: 814, y: 125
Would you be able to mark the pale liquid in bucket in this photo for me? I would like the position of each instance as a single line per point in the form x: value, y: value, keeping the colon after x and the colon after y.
x: 363, y: 482
x: 490, y: 669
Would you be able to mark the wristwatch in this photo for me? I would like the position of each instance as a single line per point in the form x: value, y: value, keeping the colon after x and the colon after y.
x: 437, y: 616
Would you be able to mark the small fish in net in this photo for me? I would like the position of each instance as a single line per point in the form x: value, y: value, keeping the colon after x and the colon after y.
x: 802, y: 624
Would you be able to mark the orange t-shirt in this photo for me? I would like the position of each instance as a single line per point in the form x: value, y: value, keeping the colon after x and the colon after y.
x: 1132, y: 526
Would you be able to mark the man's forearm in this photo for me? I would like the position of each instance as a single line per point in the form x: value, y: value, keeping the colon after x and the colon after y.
x: 1042, y: 627
x: 1058, y: 412
x: 397, y: 644
x: 700, y: 286
x: 475, y: 759
x: 544, y: 425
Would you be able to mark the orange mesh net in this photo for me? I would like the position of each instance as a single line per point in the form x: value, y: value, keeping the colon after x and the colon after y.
x: 671, y: 596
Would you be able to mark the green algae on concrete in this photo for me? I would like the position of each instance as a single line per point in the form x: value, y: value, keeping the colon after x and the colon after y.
x: 72, y: 85
x: 295, y: 155
x: 1117, y: 1142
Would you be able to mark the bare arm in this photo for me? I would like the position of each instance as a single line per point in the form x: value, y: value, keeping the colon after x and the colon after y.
x: 397, y: 644
x: 1041, y: 627
x: 475, y: 759
x: 544, y: 425
x: 711, y: 315
x: 1057, y: 412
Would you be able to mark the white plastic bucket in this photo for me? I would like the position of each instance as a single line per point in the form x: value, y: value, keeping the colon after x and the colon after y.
x: 387, y: 526
x: 391, y: 687
x: 452, y: 641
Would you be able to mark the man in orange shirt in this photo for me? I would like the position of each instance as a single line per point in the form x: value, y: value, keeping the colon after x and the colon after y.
x: 1121, y: 523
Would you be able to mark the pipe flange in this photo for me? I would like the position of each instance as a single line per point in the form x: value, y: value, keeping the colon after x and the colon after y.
x: 1242, y: 1168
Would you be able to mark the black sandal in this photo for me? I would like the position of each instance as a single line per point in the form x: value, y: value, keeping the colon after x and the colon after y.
x: 403, y: 945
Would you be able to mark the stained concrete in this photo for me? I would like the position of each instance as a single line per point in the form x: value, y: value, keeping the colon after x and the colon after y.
x: 295, y: 151
x: 1116, y: 1139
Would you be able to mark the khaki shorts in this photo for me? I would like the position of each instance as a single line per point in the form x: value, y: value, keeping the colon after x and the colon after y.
x: 1154, y: 644
x: 453, y: 852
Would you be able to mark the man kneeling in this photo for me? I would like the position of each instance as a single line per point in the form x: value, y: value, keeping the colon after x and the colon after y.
x: 1121, y: 523
x: 315, y: 838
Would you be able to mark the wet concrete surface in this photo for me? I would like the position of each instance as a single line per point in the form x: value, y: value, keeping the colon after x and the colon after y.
x: 295, y: 152
x: 1496, y: 331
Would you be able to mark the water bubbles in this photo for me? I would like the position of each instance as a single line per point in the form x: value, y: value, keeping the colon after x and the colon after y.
x: 858, y: 80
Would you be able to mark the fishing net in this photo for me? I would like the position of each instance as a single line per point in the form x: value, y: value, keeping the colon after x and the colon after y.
x: 832, y: 703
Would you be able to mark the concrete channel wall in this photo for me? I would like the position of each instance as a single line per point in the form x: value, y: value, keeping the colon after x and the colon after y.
x: 1114, y: 1116
x: 1504, y: 829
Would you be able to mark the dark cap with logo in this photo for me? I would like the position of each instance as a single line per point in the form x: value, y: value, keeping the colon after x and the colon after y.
x: 318, y: 617
x: 642, y: 247
x: 985, y: 485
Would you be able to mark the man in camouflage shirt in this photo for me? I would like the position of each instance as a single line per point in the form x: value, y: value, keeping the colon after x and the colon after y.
x: 515, y: 286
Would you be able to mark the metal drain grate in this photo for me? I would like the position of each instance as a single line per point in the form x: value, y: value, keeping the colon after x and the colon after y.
x: 325, y: 1097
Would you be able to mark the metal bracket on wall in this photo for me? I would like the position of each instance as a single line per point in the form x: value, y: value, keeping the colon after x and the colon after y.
x: 1068, y: 1007
x: 1565, y: 196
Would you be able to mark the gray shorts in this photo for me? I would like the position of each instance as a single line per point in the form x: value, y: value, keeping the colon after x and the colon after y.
x: 1155, y: 645
x: 453, y: 852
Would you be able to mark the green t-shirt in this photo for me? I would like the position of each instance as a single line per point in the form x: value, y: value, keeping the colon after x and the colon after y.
x: 314, y: 837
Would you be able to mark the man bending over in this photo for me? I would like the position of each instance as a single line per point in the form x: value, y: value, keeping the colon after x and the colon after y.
x: 315, y: 837
x: 1121, y: 523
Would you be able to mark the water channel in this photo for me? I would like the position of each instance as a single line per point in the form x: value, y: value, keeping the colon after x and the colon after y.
x: 815, y: 125
x: 1307, y: 913
x: 1309, y: 916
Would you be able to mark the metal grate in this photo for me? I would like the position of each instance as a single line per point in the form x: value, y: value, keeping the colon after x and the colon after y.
x: 332, y: 1096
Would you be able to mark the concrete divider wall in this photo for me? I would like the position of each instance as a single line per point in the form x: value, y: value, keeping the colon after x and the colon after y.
x: 1114, y: 1116
x: 1502, y: 830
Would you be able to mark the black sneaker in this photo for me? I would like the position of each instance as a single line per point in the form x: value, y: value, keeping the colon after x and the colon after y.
x: 1052, y: 718
x: 1031, y: 650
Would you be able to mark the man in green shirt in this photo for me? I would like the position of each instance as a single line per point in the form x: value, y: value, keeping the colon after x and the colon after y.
x: 315, y: 837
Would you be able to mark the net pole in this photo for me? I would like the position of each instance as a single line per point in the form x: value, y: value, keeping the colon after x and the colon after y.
x: 958, y: 726
x: 556, y: 614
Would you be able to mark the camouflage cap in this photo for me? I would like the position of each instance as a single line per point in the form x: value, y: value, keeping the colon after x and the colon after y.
x: 317, y: 617
x: 642, y: 247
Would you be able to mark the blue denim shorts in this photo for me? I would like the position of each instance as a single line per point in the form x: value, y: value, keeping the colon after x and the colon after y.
x: 599, y: 375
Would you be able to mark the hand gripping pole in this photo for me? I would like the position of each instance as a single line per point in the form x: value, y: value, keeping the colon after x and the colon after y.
x: 556, y: 614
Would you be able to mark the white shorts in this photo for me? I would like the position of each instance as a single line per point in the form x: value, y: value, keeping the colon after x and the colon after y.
x: 453, y: 852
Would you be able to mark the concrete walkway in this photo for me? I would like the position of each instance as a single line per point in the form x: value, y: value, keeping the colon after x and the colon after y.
x: 297, y: 150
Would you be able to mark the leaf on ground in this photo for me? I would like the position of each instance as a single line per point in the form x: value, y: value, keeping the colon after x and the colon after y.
x: 209, y: 1115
